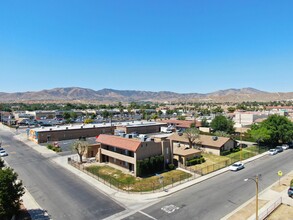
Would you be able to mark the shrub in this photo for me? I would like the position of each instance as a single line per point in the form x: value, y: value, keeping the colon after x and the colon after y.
x: 196, y: 160
x: 291, y: 183
x: 171, y: 166
x: 49, y: 146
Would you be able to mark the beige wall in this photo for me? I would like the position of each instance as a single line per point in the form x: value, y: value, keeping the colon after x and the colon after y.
x: 148, y: 149
x: 141, y: 129
x: 215, y: 151
x: 58, y: 135
x: 229, y: 145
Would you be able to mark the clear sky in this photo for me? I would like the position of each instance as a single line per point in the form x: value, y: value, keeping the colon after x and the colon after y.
x: 154, y: 45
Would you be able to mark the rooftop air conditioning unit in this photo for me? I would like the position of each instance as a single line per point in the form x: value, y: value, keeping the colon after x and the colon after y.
x: 215, y: 138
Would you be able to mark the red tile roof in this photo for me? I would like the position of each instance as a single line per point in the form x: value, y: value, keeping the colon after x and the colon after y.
x: 120, y: 142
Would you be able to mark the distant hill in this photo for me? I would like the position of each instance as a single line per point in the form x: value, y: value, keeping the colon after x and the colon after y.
x: 111, y: 95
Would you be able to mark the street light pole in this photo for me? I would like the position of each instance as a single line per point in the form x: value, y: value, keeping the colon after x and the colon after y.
x: 256, y: 197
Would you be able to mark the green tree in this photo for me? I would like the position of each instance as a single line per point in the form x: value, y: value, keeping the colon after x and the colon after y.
x: 66, y: 115
x: 218, y: 109
x: 80, y: 147
x: 221, y: 134
x: 260, y: 134
x: 204, y: 122
x: 1, y: 163
x: 279, y: 127
x: 154, y: 116
x: 181, y: 117
x: 231, y: 109
x: 105, y: 114
x: 73, y: 115
x: 11, y: 190
x: 221, y: 123
x: 192, y: 134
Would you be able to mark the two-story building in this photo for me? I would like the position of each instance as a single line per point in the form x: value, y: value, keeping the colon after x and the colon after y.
x: 126, y: 152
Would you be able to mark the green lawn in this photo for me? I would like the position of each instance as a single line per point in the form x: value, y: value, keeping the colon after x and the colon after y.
x: 136, y: 184
x: 214, y: 162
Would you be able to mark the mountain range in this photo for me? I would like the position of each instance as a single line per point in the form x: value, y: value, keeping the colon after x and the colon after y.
x: 76, y: 94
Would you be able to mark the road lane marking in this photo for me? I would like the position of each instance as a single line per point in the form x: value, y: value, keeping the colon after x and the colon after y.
x: 170, y: 208
x: 151, y: 217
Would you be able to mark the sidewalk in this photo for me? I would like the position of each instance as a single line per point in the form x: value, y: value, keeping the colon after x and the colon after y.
x: 130, y: 200
x: 123, y: 197
x: 269, y: 200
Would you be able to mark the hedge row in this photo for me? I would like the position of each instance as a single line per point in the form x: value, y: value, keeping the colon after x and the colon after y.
x: 195, y: 161
x: 233, y: 150
x: 150, y: 165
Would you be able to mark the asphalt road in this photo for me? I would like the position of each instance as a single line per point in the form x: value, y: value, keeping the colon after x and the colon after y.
x: 61, y: 193
x: 218, y: 196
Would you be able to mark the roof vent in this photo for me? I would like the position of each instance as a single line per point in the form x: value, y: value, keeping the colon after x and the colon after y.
x: 66, y: 128
x: 215, y: 138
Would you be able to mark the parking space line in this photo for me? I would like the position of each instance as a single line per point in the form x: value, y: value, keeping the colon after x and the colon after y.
x: 151, y: 217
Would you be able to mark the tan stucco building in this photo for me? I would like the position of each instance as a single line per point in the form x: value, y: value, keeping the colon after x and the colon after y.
x: 207, y: 144
x: 125, y: 152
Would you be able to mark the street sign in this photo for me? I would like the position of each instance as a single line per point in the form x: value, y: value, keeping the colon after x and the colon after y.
x: 280, y: 173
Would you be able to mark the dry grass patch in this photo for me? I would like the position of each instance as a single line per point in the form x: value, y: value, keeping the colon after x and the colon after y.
x: 137, y: 184
x: 248, y: 210
x: 283, y: 212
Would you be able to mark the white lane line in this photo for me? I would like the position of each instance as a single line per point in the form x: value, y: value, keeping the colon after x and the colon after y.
x: 151, y: 217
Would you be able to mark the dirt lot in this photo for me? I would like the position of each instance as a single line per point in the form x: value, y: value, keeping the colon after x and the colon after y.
x: 248, y: 210
x: 283, y: 212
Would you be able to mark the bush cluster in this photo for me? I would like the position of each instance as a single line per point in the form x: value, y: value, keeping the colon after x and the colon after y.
x: 53, y: 148
x: 171, y: 166
x: 150, y: 165
x: 194, y: 161
x: 233, y: 150
x: 291, y: 183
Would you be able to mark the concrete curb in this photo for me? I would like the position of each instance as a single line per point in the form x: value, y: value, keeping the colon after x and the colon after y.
x: 266, y: 191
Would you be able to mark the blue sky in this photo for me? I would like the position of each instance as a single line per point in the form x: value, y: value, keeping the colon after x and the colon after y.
x: 181, y: 46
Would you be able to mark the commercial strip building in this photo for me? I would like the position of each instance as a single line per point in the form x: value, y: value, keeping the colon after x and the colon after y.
x: 74, y: 131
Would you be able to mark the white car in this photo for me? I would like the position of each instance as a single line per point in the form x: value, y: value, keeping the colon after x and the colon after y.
x: 236, y: 166
x: 3, y: 153
x: 285, y: 146
x: 272, y: 151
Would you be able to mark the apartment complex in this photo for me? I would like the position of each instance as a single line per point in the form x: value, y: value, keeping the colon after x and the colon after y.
x: 126, y: 152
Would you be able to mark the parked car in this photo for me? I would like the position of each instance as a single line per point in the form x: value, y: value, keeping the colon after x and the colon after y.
x: 290, y: 191
x: 285, y: 146
x: 3, y: 153
x: 279, y: 149
x: 272, y: 151
x: 236, y: 166
x: 1, y: 149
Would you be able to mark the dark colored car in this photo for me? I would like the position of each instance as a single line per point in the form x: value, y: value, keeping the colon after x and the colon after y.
x: 290, y: 192
x: 279, y: 149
